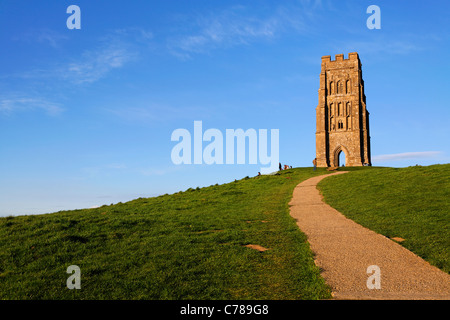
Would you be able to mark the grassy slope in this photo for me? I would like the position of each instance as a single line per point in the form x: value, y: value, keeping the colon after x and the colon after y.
x: 189, y: 245
x: 411, y: 203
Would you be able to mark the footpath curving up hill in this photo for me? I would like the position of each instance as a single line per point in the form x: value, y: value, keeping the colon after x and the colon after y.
x: 409, y: 205
x: 358, y: 263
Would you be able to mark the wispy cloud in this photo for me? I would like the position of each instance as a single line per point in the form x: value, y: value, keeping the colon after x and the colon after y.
x: 11, y: 105
x: 238, y: 26
x: 156, y: 113
x: 113, y: 51
x: 406, y: 156
x: 133, y: 114
x: 117, y: 166
x: 96, y: 63
x: 88, y: 172
x: 43, y: 36
x: 380, y: 46
x: 159, y: 171
x: 136, y: 33
x: 52, y: 38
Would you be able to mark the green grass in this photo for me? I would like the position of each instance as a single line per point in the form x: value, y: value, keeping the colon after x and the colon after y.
x: 411, y: 203
x: 188, y: 245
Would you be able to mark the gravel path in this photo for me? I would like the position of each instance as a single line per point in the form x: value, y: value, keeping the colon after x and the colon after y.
x: 344, y: 250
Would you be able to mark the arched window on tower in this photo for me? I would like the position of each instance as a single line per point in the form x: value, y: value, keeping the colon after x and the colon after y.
x: 331, y: 87
x: 340, y: 111
x: 340, y: 124
x: 338, y: 87
x: 347, y: 87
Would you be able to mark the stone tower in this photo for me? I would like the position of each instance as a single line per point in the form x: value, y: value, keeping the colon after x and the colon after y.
x: 342, y: 120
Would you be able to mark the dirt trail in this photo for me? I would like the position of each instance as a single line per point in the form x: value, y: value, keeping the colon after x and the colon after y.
x: 344, y: 250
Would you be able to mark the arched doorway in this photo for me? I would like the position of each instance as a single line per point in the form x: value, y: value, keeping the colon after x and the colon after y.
x: 340, y: 156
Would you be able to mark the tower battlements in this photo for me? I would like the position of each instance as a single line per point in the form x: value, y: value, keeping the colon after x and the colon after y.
x: 339, y: 62
x: 340, y: 57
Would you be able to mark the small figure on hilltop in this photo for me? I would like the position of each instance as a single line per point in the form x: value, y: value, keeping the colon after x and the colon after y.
x: 286, y: 167
x: 279, y: 166
x: 315, y: 163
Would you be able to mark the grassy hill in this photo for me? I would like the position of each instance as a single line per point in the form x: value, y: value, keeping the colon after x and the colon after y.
x: 188, y: 245
x: 192, y: 244
x: 410, y: 203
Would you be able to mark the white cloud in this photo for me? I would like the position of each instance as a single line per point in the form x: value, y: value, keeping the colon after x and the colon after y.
x: 139, y: 34
x: 43, y: 36
x: 114, y: 51
x: 96, y: 63
x: 237, y: 26
x: 159, y: 171
x: 10, y: 105
x: 153, y: 112
x: 406, y: 156
x: 116, y: 166
x: 383, y: 45
x: 52, y: 38
x: 137, y: 113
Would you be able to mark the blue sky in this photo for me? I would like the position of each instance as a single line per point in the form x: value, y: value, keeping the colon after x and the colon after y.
x: 86, y: 116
